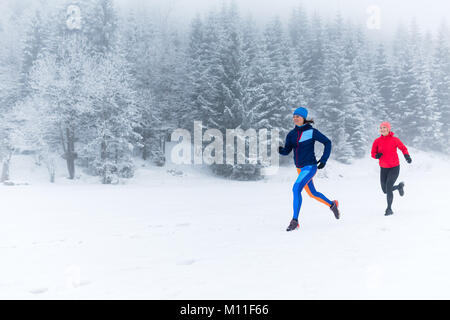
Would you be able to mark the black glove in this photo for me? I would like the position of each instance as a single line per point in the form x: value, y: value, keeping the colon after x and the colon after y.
x: 280, y: 149
x: 378, y: 155
x: 408, y: 158
x: 320, y: 165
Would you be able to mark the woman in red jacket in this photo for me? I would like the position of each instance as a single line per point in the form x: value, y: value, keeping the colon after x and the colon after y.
x: 384, y: 148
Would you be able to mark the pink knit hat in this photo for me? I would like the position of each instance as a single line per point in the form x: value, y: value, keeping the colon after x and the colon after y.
x: 386, y: 124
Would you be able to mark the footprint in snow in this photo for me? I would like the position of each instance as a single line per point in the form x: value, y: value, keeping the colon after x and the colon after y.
x: 186, y: 262
x: 156, y: 226
x: 76, y: 284
x: 38, y: 290
x: 84, y: 283
x: 183, y: 224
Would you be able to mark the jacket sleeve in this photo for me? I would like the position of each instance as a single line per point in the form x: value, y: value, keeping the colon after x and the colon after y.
x: 287, y: 146
x: 374, y: 148
x: 318, y: 136
x: 402, y: 147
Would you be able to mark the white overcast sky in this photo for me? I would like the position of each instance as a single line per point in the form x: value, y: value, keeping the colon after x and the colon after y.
x: 428, y: 13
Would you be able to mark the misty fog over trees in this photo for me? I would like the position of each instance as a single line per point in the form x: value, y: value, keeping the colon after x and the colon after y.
x: 101, y: 86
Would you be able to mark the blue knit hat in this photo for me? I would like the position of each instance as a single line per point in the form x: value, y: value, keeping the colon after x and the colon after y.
x: 302, y: 112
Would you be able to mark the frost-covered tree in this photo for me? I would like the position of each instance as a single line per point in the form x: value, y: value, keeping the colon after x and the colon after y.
x: 33, y: 46
x: 39, y: 130
x: 60, y: 79
x: 109, y: 121
x: 11, y: 48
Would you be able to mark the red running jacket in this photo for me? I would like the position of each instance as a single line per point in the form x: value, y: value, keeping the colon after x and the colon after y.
x: 388, y: 147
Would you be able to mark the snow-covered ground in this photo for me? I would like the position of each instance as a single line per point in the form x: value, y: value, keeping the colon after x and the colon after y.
x: 162, y: 236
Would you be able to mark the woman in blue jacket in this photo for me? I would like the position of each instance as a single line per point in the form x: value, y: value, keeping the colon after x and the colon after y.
x: 301, y: 139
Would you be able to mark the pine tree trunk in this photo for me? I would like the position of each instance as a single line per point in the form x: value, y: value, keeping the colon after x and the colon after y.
x: 5, y: 170
x: 51, y: 169
x: 103, y: 158
x: 69, y: 152
x: 144, y: 152
x: 52, y: 176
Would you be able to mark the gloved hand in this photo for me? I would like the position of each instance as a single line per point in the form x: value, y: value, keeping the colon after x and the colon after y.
x: 378, y: 155
x: 408, y: 158
x: 280, y: 149
x: 321, y: 165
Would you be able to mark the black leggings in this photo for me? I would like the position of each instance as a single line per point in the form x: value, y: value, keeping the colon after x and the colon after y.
x: 387, y: 179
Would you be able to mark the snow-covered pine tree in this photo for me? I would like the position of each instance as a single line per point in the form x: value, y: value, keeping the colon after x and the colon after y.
x: 297, y: 91
x: 34, y: 43
x: 276, y: 70
x: 196, y: 57
x: 10, y: 63
x: 253, y: 80
x: 401, y: 65
x: 315, y: 71
x: 251, y: 45
x: 301, y: 53
x: 98, y: 23
x: 337, y: 96
x: 204, y: 73
x: 169, y: 79
x: 298, y: 62
x: 412, y: 92
x: 232, y: 65
x: 429, y: 128
x: 359, y: 119
x: 228, y: 83
x: 138, y: 39
x: 384, y: 82
x: 206, y: 76
x: 441, y: 87
x: 254, y: 97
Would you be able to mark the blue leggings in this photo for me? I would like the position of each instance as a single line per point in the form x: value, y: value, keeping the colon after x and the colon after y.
x: 304, y: 180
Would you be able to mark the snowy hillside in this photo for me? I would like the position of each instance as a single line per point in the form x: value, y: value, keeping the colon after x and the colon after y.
x: 193, y: 236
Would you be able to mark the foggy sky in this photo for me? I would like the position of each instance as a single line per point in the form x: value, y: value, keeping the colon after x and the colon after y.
x: 427, y: 13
